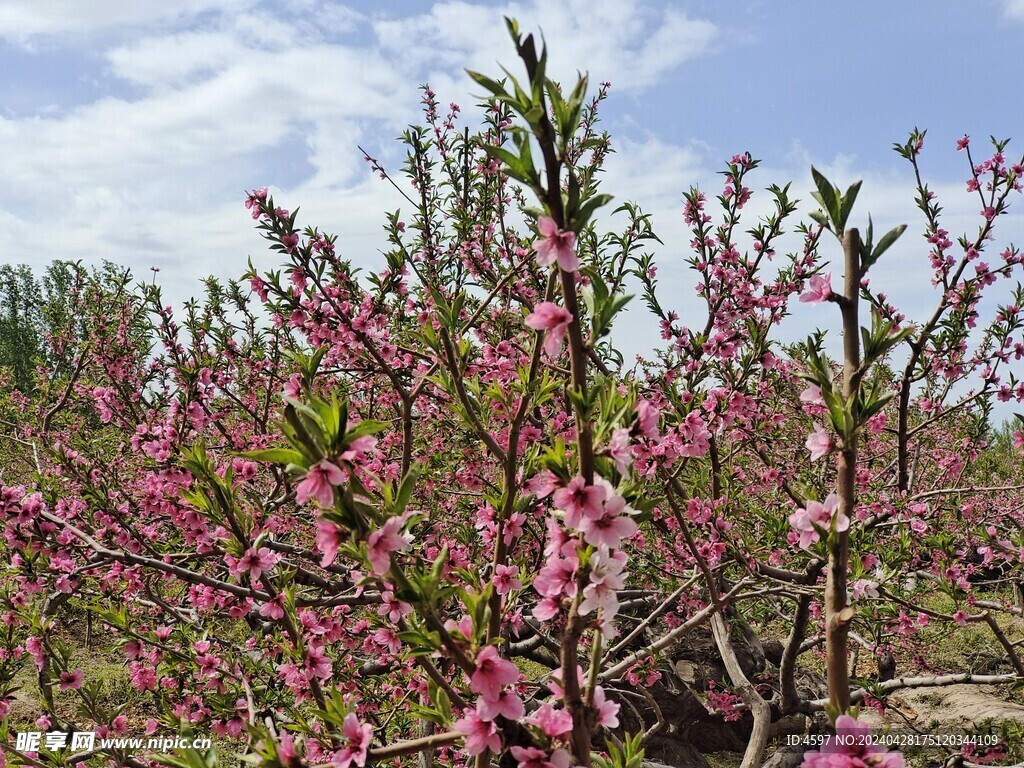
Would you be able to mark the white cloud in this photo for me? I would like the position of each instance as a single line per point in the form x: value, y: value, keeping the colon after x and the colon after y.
x: 174, y: 60
x: 22, y: 21
x: 630, y: 44
x: 157, y: 178
x: 1014, y: 9
x: 152, y: 173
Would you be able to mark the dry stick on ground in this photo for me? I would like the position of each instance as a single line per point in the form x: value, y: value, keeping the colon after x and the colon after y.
x: 931, y: 681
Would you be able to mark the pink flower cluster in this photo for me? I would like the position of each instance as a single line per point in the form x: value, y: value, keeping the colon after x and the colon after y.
x: 809, y: 523
x: 555, y: 245
x: 597, y: 511
x: 819, y: 443
x: 819, y: 291
x: 554, y: 320
x: 357, y: 738
x: 492, y: 676
x: 253, y: 562
x: 852, y: 747
x: 479, y: 726
x: 603, y: 519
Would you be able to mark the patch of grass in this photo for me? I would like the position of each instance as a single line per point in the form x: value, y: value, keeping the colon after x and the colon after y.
x: 971, y: 648
x: 724, y: 759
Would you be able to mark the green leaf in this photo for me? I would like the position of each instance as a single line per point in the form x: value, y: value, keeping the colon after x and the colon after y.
x: 366, y: 427
x: 512, y: 25
x: 307, y: 432
x: 875, y: 404
x: 491, y: 85
x: 847, y: 203
x: 819, y: 217
x: 406, y: 488
x: 887, y: 240
x: 828, y: 197
x: 587, y: 210
x: 514, y: 165
x: 275, y: 456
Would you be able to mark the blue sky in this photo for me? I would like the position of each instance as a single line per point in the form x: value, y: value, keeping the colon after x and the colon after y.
x: 130, y: 128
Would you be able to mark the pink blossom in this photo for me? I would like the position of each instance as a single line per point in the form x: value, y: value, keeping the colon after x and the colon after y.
x: 962, y: 143
x: 254, y: 563
x: 548, y: 316
x: 606, y: 578
x: 492, y: 673
x: 318, y: 663
x: 865, y: 587
x: 318, y: 483
x: 513, y: 527
x: 507, y: 704
x: 532, y: 757
x: 286, y: 753
x: 647, y: 416
x: 553, y: 722
x: 328, y: 539
x: 555, y: 244
x: 811, y: 394
x: 357, y: 741
x: 618, y: 449
x: 393, y: 608
x: 547, y: 608
x: 611, y: 528
x: 73, y: 679
x: 254, y: 201
x: 464, y: 627
x: 358, y: 448
x: 385, y: 540
x: 35, y: 647
x: 142, y: 676
x: 543, y: 484
x: 855, y: 750
x: 820, y: 290
x: 274, y: 609
x: 298, y: 278
x: 101, y: 395
x: 579, y: 500
x: 817, y: 515
x: 557, y: 578
x: 481, y: 735
x: 819, y: 443
x: 259, y: 288
x: 505, y: 579
x: 607, y: 711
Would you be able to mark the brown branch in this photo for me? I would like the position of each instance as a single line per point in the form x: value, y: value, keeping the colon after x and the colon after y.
x: 413, y: 746
x: 931, y: 681
x: 759, y: 708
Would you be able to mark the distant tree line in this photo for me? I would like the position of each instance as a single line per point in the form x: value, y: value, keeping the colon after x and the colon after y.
x: 36, y: 309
